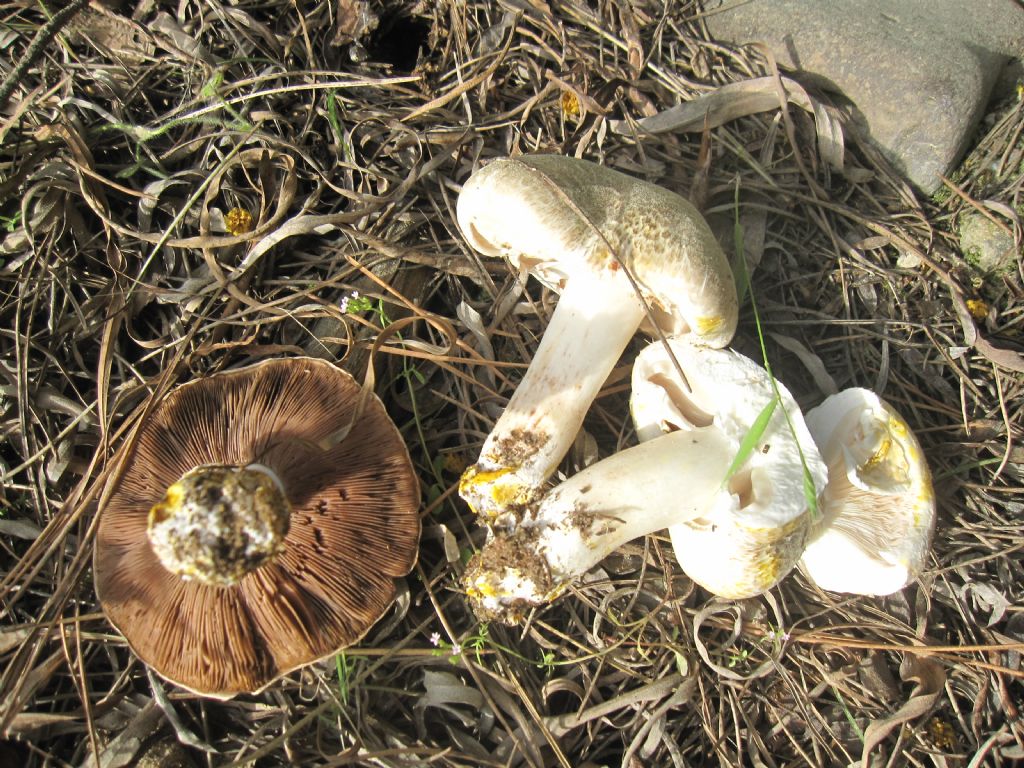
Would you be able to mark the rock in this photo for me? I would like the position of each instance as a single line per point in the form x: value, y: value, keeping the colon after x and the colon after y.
x: 986, y: 246
x: 918, y: 72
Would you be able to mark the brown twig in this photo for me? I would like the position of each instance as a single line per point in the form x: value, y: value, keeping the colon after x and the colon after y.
x: 43, y: 37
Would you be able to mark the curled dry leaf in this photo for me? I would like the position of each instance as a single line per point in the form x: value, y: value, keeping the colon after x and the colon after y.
x: 449, y: 692
x: 814, y: 365
x: 654, y: 691
x: 736, y: 100
x: 929, y: 678
x: 737, y: 660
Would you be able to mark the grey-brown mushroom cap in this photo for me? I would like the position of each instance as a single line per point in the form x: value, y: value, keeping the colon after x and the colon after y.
x: 354, y: 528
x: 535, y: 220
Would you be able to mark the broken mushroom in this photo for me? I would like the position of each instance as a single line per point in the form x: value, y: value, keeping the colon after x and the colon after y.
x: 736, y: 535
x: 579, y: 228
x: 754, y: 532
x: 878, y: 509
x: 584, y: 519
x: 244, y: 539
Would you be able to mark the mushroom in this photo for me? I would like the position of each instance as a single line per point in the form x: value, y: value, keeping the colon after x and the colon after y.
x: 579, y: 228
x: 754, y: 533
x: 676, y: 479
x: 587, y: 517
x: 244, y: 540
x: 878, y: 508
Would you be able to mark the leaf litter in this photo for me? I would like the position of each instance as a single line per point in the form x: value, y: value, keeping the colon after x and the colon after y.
x: 345, y: 132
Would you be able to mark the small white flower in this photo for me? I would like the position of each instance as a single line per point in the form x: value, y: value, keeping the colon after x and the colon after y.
x: 343, y: 306
x: 456, y: 649
x: 435, y: 639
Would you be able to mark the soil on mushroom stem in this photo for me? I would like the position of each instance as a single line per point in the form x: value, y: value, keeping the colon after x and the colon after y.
x: 129, y: 141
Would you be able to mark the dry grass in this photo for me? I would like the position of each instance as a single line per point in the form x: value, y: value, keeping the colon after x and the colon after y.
x: 126, y: 143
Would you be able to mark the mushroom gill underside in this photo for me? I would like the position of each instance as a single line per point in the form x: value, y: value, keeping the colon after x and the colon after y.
x: 878, y: 510
x: 351, y: 533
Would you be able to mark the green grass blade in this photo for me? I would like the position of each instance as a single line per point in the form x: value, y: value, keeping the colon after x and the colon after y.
x: 757, y: 429
x: 751, y: 439
x: 341, y: 662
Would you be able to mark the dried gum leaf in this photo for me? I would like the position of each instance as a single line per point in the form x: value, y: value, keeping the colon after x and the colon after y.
x: 814, y: 365
x: 659, y: 689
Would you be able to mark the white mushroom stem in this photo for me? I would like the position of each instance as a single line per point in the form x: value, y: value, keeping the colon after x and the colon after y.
x: 595, y: 318
x: 637, y: 491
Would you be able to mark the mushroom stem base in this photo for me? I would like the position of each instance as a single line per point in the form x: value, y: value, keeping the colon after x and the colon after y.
x: 218, y: 523
x: 643, y: 489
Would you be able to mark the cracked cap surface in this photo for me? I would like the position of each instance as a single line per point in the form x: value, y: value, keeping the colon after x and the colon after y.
x: 558, y: 215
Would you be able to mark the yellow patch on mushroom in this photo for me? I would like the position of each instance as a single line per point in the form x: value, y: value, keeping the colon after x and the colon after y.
x: 707, y: 325
x: 481, y: 588
x: 502, y: 489
x: 767, y: 571
x: 165, y: 507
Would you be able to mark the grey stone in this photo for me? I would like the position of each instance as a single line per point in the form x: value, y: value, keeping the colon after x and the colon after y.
x: 985, y: 245
x: 918, y: 72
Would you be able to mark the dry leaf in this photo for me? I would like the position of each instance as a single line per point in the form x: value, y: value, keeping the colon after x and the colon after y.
x: 929, y: 679
x: 355, y: 20
x: 740, y: 99
x: 112, y: 33
x: 19, y: 529
x: 659, y: 689
x: 814, y: 365
x: 446, y: 691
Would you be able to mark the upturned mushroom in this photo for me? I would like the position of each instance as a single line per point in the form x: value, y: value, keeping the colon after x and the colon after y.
x: 580, y: 228
x: 878, y: 508
x: 244, y: 539
x: 755, y: 532
x: 676, y: 479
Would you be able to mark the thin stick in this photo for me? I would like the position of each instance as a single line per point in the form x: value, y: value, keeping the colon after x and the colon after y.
x: 43, y: 37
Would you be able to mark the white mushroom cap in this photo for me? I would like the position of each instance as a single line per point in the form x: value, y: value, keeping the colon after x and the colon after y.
x: 570, y: 222
x: 529, y: 208
x: 878, y: 509
x: 754, y: 532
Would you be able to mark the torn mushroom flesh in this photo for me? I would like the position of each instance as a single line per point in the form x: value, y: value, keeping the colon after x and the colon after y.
x: 878, y: 509
x: 754, y: 532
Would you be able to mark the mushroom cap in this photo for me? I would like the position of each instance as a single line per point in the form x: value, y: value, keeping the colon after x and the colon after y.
x: 754, y: 532
x: 878, y: 508
x: 529, y: 208
x: 354, y: 527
